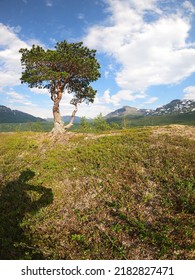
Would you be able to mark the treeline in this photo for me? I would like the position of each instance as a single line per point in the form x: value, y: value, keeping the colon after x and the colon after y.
x: 29, y: 126
x: 99, y: 123
x: 95, y: 125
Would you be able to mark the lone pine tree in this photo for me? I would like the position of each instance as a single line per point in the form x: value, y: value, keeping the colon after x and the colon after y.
x: 70, y: 66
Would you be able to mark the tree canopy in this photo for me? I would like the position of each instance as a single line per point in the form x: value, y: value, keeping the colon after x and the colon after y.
x: 70, y: 66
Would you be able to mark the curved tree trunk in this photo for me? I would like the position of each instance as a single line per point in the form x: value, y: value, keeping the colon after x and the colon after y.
x: 56, y: 96
x: 58, y: 123
x: 59, y: 126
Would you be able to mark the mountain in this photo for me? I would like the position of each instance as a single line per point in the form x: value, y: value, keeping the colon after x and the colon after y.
x: 14, y: 116
x: 128, y: 111
x: 66, y: 119
x: 176, y: 106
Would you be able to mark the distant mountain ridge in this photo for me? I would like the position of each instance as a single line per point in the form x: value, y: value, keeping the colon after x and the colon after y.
x: 128, y: 111
x: 67, y: 119
x: 175, y: 106
x: 14, y: 116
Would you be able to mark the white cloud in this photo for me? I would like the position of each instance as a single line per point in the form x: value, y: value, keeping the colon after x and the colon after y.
x: 16, y: 29
x: 49, y: 3
x: 81, y: 16
x: 189, y: 92
x: 22, y: 102
x: 10, y: 65
x: 106, y: 97
x: 106, y: 74
x: 12, y: 97
x: 151, y: 100
x: 10, y: 68
x: 16, y: 96
x: 40, y: 91
x: 53, y: 40
x: 31, y: 42
x: 121, y: 95
x: 92, y: 110
x: 188, y: 6
x: 150, y: 52
x: 36, y: 111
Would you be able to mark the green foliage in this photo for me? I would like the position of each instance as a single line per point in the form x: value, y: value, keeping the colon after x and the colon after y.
x: 70, y: 65
x: 135, y: 121
x: 126, y: 195
x: 100, y: 123
x: 32, y: 126
x: 84, y: 124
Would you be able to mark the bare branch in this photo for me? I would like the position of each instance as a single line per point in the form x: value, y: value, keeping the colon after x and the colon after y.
x: 72, y: 117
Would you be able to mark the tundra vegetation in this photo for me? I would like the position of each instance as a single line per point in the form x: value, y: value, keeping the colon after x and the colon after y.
x: 125, y: 194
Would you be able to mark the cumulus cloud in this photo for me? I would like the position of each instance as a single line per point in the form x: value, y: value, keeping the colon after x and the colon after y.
x: 121, y: 95
x: 188, y: 6
x: 92, y: 110
x: 10, y: 65
x: 148, y: 41
x: 40, y: 91
x: 189, y: 92
x: 10, y: 68
x: 13, y: 97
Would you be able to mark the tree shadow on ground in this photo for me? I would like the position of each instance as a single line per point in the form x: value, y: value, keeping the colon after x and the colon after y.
x: 15, y: 202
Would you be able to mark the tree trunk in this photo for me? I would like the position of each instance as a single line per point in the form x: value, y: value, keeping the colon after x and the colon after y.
x: 59, y: 126
x: 58, y: 123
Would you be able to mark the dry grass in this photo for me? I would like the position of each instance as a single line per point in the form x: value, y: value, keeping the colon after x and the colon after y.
x: 176, y: 130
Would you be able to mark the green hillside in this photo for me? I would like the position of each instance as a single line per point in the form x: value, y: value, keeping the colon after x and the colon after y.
x: 122, y: 195
x: 174, y: 118
x: 14, y: 116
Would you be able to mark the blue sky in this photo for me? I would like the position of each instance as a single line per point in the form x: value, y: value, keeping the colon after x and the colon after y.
x: 146, y: 49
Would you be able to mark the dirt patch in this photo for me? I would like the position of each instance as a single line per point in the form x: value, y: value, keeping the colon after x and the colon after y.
x: 176, y: 130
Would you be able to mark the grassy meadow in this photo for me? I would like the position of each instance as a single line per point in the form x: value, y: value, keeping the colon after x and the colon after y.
x: 125, y: 194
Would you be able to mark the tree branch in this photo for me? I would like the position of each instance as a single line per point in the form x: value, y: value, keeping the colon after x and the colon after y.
x: 72, y: 117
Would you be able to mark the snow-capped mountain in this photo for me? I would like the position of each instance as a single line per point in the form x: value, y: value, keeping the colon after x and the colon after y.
x: 175, y: 106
